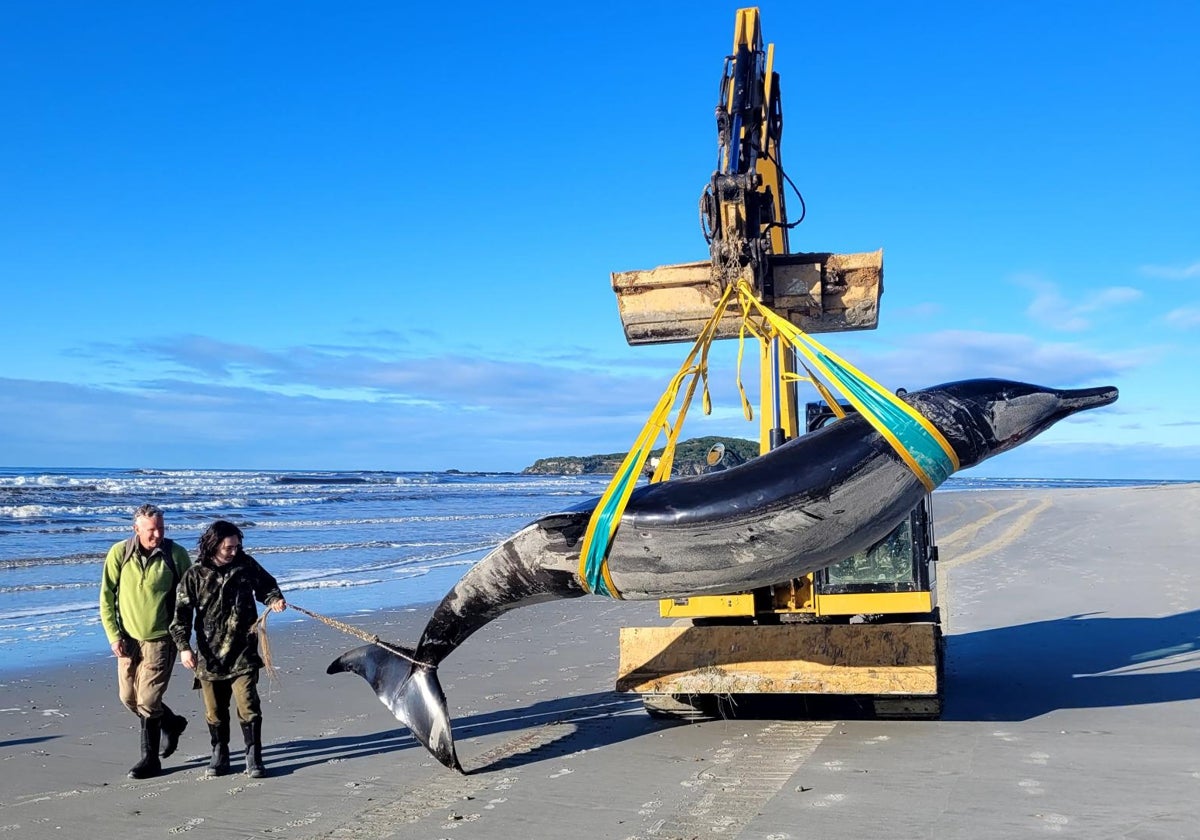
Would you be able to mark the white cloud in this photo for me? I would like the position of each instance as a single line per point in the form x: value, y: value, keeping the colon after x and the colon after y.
x: 1051, y: 308
x: 1184, y: 318
x: 200, y: 402
x: 1172, y: 272
x: 947, y: 355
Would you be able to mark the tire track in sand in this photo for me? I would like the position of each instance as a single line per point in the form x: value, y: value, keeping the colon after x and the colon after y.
x: 966, y: 534
x: 446, y: 789
x: 740, y: 780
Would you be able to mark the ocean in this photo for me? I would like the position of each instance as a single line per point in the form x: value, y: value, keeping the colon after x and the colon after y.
x: 339, y: 543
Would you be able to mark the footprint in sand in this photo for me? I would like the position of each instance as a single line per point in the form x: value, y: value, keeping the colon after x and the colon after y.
x: 367, y: 782
x: 187, y: 826
x: 1031, y: 786
x: 1054, y: 822
x: 829, y: 799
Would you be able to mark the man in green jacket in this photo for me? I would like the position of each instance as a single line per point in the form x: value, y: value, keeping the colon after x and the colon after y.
x: 137, y: 602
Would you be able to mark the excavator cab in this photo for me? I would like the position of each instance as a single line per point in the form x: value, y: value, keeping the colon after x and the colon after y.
x: 903, y: 561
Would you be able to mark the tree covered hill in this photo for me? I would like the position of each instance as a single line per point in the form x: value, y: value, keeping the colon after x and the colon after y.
x: 689, y: 458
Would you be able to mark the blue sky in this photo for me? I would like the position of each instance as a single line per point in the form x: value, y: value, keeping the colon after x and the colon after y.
x: 379, y: 235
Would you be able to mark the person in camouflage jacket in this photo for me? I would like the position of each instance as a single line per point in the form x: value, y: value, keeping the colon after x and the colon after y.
x: 216, y: 597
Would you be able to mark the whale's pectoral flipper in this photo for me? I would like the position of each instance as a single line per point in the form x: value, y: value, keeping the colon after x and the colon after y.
x: 411, y: 692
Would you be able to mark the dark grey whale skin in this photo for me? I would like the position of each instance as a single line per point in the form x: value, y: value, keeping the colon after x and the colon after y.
x: 809, y: 503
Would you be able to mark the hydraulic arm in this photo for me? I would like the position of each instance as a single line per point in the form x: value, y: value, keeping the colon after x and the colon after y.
x: 744, y: 220
x: 742, y: 208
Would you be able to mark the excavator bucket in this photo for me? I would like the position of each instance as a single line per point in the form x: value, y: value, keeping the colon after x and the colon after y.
x: 818, y: 293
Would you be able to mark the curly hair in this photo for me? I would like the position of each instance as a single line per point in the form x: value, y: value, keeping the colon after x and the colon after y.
x: 212, y: 538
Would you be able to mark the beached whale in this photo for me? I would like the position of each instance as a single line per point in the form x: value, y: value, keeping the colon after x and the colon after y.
x: 811, y: 502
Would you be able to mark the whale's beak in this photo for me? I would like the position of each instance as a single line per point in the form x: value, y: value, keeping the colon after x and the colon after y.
x: 1018, y: 411
x: 1081, y: 399
x: 1031, y: 415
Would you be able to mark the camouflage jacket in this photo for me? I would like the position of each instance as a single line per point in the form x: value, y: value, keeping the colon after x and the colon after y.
x: 218, y: 601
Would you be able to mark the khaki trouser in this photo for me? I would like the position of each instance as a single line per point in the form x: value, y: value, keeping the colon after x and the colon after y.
x: 244, y: 691
x: 142, y: 676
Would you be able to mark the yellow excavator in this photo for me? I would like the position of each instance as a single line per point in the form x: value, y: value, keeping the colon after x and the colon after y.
x: 866, y: 629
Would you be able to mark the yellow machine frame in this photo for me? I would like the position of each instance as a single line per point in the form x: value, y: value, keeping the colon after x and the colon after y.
x: 792, y: 637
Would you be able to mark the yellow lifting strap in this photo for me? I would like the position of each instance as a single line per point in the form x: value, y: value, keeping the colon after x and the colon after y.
x: 593, y: 565
x: 918, y: 443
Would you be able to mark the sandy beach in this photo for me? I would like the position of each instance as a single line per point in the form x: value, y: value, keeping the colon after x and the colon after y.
x: 1072, y: 704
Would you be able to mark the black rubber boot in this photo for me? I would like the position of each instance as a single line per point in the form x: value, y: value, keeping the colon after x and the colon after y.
x: 252, y: 732
x: 149, y: 765
x: 219, y: 764
x: 172, y: 727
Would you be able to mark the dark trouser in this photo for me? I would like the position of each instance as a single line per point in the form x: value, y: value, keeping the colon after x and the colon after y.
x: 243, y: 690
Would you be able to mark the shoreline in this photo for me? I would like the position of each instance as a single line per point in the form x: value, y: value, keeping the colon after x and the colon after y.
x: 75, y: 636
x: 1072, y: 687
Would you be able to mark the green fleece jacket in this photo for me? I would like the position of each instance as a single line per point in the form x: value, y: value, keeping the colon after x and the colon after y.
x: 137, y: 600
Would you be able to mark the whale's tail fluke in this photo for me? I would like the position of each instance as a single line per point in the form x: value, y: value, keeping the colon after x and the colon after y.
x: 411, y: 692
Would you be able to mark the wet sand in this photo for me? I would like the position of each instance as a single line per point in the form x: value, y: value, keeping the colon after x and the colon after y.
x: 1072, y: 709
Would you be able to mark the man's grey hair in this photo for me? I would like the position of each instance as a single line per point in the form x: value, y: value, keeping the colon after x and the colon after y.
x: 148, y: 511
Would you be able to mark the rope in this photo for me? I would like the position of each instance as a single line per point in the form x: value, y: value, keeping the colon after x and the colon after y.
x: 260, y: 627
x: 362, y: 634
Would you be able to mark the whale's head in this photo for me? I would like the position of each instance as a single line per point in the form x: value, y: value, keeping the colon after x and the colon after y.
x: 984, y: 417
